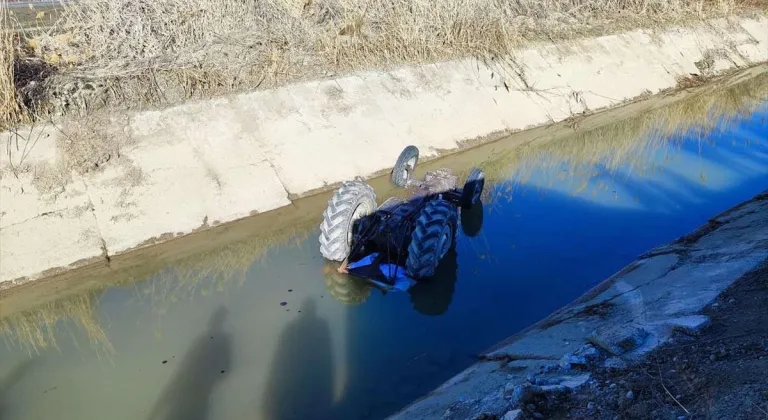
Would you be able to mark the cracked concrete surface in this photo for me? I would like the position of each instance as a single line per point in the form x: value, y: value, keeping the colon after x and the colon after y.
x: 207, y: 162
x: 624, y: 318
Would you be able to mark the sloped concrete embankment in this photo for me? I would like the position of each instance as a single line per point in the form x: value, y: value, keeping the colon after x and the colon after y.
x: 614, y: 325
x: 79, y: 193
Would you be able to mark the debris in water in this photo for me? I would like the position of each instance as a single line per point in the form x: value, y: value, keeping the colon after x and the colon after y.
x: 283, y: 303
x: 165, y: 361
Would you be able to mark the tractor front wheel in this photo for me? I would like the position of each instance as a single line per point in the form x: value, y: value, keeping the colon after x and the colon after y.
x: 405, y: 165
x: 473, y: 188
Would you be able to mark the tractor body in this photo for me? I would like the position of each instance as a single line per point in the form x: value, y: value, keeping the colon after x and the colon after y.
x: 403, y: 240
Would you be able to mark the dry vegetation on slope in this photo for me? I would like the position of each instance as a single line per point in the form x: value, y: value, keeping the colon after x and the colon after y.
x: 147, y: 52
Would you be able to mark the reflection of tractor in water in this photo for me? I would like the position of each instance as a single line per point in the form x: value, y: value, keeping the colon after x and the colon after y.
x: 430, y: 296
x: 401, y: 242
x: 345, y: 288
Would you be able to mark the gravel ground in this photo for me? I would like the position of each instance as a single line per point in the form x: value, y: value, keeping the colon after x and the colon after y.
x: 721, y: 374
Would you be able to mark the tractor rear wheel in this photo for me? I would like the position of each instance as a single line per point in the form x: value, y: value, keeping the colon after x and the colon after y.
x: 353, y: 201
x: 432, y: 237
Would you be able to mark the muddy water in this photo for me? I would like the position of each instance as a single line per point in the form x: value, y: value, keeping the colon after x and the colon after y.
x: 254, y: 330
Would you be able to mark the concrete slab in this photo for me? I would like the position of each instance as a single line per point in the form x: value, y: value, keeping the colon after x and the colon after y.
x: 756, y: 28
x: 323, y: 122
x: 520, y: 105
x: 60, y: 239
x: 420, y: 113
x: 46, y: 220
x: 180, y: 176
x: 167, y: 202
x: 30, y: 202
x: 734, y: 217
x: 350, y: 135
x: 28, y: 160
x: 476, y: 114
x: 647, y: 271
x: 464, y: 395
x: 692, y: 324
x: 516, y: 414
x: 550, y: 342
x: 676, y: 294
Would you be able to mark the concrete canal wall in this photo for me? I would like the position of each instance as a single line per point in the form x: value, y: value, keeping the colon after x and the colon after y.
x: 614, y: 325
x: 74, y: 193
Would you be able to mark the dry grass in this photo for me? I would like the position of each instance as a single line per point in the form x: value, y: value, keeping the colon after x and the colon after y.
x: 147, y: 52
x: 11, y: 111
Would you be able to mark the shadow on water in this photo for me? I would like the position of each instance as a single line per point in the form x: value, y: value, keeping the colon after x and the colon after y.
x: 300, y: 384
x: 188, y: 395
x: 10, y: 380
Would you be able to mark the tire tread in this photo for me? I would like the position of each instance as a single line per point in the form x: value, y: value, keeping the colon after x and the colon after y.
x: 422, y: 251
x: 335, y: 224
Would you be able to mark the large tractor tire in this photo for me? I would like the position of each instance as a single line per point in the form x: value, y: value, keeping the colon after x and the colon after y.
x: 351, y: 202
x: 432, y: 237
x: 345, y: 288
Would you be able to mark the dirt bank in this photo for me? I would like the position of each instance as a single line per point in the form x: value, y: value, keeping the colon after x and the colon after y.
x: 718, y: 374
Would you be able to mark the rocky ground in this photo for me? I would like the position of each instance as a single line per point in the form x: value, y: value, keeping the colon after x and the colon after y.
x: 719, y: 373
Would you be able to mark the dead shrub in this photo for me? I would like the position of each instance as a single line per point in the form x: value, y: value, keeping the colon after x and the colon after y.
x: 149, y: 52
x: 10, y: 108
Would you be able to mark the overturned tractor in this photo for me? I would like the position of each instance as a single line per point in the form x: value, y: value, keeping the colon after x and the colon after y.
x: 401, y: 241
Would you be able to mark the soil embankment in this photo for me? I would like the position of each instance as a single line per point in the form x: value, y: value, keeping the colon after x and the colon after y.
x: 714, y: 375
